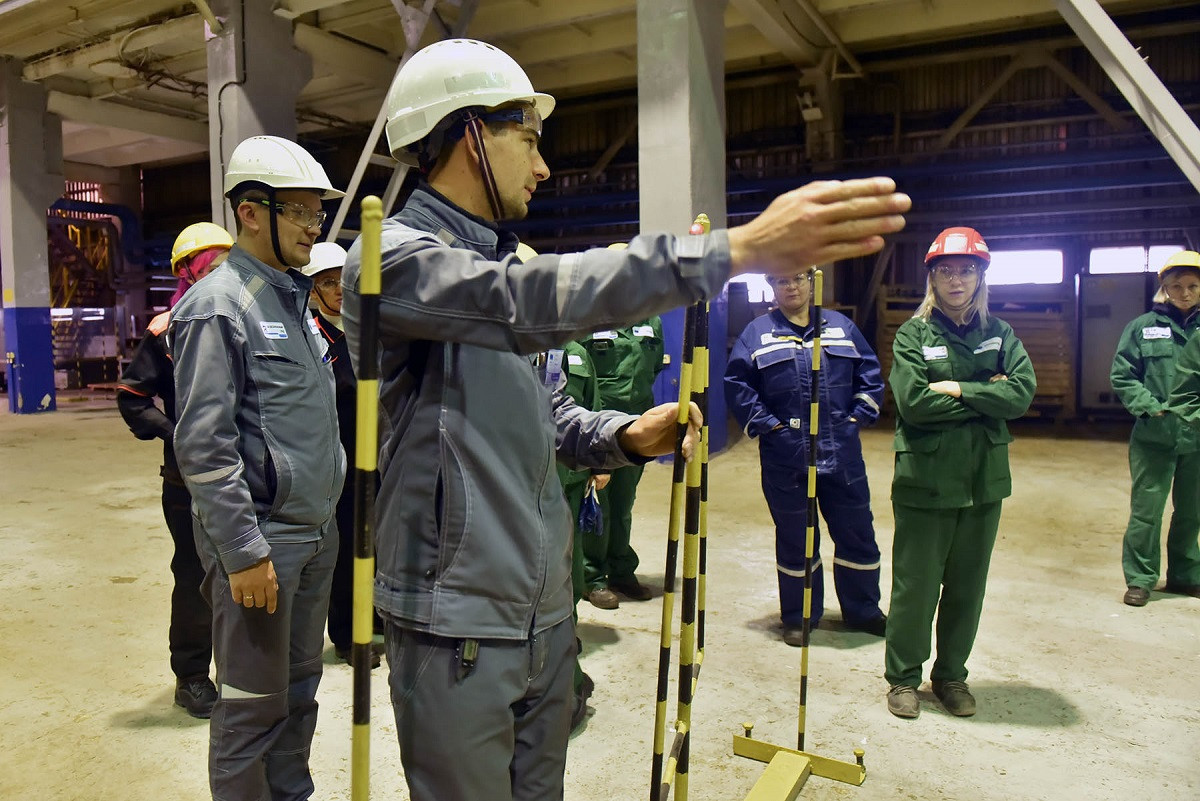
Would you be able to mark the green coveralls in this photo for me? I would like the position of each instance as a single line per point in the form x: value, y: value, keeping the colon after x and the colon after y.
x: 950, y: 477
x: 626, y: 360
x: 1162, y: 450
x: 581, y: 387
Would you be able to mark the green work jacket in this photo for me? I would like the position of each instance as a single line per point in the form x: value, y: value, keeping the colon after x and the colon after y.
x: 581, y: 386
x: 953, y: 452
x: 627, y: 360
x: 1144, y: 370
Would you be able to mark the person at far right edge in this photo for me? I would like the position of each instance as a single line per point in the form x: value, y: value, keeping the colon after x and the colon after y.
x: 958, y: 374
x: 1156, y: 373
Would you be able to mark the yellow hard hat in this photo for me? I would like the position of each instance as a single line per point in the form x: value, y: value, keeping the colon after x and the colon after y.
x: 618, y: 246
x: 197, y: 237
x: 1184, y: 258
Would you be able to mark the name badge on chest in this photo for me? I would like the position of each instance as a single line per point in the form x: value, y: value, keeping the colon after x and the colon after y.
x: 1156, y: 332
x: 934, y: 352
x: 274, y: 330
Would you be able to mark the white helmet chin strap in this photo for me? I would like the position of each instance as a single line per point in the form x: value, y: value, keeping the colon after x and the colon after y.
x: 475, y: 131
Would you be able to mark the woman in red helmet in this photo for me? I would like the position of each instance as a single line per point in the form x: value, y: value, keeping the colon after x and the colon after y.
x: 958, y: 374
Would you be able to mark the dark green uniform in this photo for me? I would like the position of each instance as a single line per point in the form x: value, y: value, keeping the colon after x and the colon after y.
x: 626, y: 361
x: 581, y: 386
x: 1162, y: 450
x: 950, y: 477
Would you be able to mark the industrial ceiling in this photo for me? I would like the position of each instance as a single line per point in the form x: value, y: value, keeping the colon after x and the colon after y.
x: 128, y: 77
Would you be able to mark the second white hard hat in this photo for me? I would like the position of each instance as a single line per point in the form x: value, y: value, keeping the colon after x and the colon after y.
x: 277, y: 163
x: 324, y: 256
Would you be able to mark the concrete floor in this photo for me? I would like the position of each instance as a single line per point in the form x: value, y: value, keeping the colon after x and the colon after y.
x: 1080, y: 697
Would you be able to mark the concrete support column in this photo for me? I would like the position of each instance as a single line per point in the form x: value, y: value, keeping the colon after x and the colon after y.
x: 255, y: 75
x: 30, y: 180
x: 681, y: 153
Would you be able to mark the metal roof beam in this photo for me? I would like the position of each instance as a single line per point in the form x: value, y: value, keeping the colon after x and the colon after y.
x: 346, y: 57
x: 1153, y: 102
x: 774, y: 24
x: 111, y: 115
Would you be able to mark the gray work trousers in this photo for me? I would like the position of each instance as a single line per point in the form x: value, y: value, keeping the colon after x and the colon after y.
x: 268, y: 669
x: 496, y: 730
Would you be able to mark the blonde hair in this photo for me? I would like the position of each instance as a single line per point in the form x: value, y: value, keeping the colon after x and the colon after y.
x: 1161, y: 295
x: 979, y: 306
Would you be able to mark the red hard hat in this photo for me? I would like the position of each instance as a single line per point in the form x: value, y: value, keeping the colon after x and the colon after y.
x: 959, y: 241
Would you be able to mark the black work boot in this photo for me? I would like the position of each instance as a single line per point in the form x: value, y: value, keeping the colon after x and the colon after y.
x: 1136, y: 596
x: 196, y: 695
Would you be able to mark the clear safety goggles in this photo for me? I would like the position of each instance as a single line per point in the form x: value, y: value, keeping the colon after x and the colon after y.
x: 525, y: 115
x: 298, y: 213
x: 794, y: 281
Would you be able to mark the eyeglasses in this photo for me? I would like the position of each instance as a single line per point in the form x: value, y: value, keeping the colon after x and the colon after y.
x: 328, y: 283
x: 795, y: 280
x: 949, y: 271
x: 298, y: 213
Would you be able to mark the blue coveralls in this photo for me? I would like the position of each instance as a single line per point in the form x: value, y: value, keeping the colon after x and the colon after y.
x: 767, y: 384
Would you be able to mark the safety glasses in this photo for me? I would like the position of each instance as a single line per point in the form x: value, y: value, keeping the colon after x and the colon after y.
x: 298, y: 213
x: 948, y: 272
x: 795, y: 280
x: 524, y: 115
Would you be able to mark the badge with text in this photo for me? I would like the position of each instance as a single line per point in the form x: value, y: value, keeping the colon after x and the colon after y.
x: 274, y: 330
x: 1156, y: 332
x: 554, y: 366
x: 935, y: 352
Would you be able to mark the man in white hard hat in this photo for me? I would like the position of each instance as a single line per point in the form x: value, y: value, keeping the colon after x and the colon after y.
x: 257, y: 444
x: 325, y: 300
x: 474, y: 570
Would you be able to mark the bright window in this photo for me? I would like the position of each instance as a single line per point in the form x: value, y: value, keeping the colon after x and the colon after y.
x: 1025, y: 267
x: 757, y: 287
x: 1159, y: 254
x: 1136, y: 259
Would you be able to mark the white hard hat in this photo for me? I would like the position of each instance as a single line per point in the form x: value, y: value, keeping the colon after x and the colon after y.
x: 277, y: 163
x: 324, y: 256
x: 450, y: 75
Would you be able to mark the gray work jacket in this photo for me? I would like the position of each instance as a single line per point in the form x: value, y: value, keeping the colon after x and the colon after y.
x: 474, y: 536
x: 257, y: 433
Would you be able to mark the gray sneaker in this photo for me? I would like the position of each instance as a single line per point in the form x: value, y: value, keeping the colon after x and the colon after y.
x: 956, y: 697
x: 902, y: 701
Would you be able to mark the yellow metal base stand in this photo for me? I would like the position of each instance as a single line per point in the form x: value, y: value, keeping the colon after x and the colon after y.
x: 788, y: 768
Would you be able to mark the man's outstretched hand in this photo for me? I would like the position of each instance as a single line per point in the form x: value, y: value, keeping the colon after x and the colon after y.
x: 653, y: 434
x: 821, y: 222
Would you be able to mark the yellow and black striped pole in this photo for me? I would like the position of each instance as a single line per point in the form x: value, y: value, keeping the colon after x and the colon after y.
x: 810, y: 530
x: 688, y: 669
x: 685, y: 492
x: 679, y: 467
x: 365, y: 480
